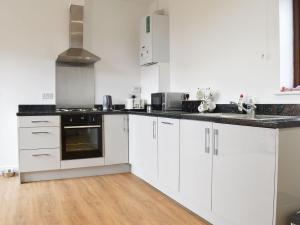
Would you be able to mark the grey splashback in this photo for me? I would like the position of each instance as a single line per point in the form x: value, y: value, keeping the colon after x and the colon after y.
x: 75, y: 86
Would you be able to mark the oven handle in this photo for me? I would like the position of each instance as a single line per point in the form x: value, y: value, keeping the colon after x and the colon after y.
x: 82, y: 127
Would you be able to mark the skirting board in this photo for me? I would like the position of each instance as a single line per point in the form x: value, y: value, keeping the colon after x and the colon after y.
x: 74, y: 173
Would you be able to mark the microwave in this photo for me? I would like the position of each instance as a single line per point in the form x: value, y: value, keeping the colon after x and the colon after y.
x: 167, y: 101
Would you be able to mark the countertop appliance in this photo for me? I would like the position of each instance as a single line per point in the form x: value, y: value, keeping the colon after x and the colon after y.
x: 107, y: 103
x: 81, y: 136
x: 167, y: 101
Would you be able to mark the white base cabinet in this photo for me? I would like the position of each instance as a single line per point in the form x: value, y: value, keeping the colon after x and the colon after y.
x: 115, y: 139
x: 39, y: 160
x: 196, y: 165
x: 243, y: 177
x: 143, y: 147
x: 168, y: 156
x: 39, y: 143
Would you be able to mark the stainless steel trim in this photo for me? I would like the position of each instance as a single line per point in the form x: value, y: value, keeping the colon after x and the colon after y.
x: 124, y: 123
x: 216, y: 142
x: 76, y: 54
x: 39, y: 155
x: 40, y: 132
x: 167, y: 123
x: 154, y: 130
x: 40, y: 121
x: 207, y: 140
x: 82, y: 127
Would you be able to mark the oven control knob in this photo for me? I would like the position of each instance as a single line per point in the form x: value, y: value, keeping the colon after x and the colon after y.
x: 71, y: 120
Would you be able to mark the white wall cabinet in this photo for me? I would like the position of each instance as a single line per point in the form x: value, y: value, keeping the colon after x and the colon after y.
x: 115, y: 139
x: 143, y: 147
x: 168, y: 155
x: 196, y: 165
x: 243, y: 186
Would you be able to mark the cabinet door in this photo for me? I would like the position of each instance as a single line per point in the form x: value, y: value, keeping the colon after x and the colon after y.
x: 196, y: 165
x: 168, y: 155
x: 143, y: 147
x: 244, y: 174
x: 116, y: 139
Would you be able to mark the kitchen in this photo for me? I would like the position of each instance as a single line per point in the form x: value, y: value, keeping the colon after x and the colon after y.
x: 210, y: 46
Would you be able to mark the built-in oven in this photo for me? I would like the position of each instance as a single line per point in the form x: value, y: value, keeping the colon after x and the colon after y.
x: 81, y: 136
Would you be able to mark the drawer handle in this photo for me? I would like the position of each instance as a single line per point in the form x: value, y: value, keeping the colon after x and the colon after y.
x: 167, y: 123
x: 39, y: 121
x: 39, y: 155
x: 40, y: 132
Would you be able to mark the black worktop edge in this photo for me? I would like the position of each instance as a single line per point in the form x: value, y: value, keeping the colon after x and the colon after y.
x: 275, y: 124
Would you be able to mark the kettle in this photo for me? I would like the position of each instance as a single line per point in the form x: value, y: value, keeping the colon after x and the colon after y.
x: 107, y: 103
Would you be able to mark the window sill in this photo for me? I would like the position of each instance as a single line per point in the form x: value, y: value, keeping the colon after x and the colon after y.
x: 287, y: 93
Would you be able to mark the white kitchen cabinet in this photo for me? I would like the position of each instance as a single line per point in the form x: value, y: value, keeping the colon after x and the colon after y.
x: 243, y: 185
x: 196, y: 165
x: 39, y: 143
x: 143, y: 147
x: 39, y: 160
x: 39, y: 138
x: 39, y: 121
x: 115, y: 139
x: 168, y: 155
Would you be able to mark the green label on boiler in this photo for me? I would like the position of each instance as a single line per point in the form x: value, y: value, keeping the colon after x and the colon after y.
x: 148, y: 24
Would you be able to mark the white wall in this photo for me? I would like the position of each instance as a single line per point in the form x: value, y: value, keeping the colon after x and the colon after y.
x: 112, y: 32
x: 34, y: 32
x: 232, y: 46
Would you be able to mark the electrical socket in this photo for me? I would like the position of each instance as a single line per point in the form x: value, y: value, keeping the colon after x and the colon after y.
x: 47, y: 96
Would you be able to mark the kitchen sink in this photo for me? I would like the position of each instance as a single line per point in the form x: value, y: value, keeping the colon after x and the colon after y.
x: 242, y: 116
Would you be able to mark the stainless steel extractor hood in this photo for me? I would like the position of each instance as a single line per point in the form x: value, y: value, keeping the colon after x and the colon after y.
x: 76, y: 54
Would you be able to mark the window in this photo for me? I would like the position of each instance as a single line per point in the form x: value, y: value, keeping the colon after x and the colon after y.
x: 296, y: 17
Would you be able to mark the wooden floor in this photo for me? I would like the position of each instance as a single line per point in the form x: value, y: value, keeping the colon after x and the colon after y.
x: 106, y: 200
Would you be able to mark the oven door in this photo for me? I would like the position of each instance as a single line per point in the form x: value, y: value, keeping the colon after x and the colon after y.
x: 81, y: 142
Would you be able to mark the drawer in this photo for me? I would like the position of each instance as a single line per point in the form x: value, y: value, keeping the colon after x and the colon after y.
x: 39, y: 121
x: 39, y: 137
x: 39, y: 160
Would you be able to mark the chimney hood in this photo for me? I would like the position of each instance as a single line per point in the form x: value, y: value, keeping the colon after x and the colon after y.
x: 76, y: 55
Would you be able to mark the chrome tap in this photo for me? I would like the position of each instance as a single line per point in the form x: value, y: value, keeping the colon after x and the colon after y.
x: 250, y: 106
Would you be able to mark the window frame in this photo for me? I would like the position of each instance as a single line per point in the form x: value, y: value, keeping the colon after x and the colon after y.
x: 296, y: 19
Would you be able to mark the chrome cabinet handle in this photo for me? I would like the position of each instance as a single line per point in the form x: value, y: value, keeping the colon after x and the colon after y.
x: 41, y: 132
x: 124, y: 123
x: 39, y: 155
x: 167, y: 123
x: 39, y: 121
x: 81, y: 127
x: 207, y: 140
x: 216, y: 142
x: 154, y: 130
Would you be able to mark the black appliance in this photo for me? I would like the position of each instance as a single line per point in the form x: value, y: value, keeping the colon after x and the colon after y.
x: 81, y: 136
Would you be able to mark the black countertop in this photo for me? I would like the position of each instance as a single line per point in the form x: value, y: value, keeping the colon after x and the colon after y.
x: 275, y: 124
